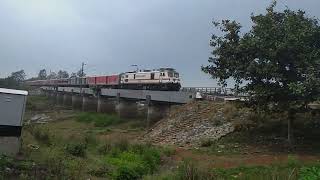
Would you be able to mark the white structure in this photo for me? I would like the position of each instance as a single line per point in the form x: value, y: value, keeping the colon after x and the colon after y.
x: 12, y: 107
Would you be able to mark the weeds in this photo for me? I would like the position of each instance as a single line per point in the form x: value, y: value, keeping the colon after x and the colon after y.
x: 132, y: 161
x: 168, y: 151
x: 76, y: 149
x: 99, y: 120
x: 41, y: 134
x: 206, y: 142
x: 309, y: 173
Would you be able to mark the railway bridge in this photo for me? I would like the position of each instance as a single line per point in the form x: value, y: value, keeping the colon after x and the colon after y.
x: 152, y: 105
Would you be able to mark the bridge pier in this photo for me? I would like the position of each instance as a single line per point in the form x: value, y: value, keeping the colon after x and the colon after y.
x: 76, y: 101
x: 106, y: 105
x: 59, y: 99
x: 89, y: 104
x: 67, y: 100
x: 127, y: 109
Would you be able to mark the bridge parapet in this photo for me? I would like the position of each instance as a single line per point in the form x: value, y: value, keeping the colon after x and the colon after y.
x: 214, y: 91
x: 161, y: 96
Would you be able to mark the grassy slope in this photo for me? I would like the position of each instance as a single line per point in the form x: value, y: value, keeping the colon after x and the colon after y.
x: 90, y: 145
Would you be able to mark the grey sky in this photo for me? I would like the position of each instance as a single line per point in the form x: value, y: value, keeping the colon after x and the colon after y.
x: 111, y: 35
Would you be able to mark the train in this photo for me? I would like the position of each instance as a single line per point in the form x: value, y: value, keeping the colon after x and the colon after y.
x: 163, y: 79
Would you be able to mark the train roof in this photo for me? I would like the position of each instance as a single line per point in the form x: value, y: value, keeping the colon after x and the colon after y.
x: 153, y: 70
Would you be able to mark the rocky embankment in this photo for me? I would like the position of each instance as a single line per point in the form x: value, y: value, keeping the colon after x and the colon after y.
x: 192, y: 123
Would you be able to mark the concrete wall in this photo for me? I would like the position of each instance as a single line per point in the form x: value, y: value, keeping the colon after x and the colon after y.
x: 9, y: 145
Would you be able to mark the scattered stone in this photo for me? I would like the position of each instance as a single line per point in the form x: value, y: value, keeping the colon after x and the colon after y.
x: 33, y: 146
x: 39, y: 119
x: 189, y: 124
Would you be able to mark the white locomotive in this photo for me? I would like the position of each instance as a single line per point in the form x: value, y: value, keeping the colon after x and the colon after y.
x: 161, y: 79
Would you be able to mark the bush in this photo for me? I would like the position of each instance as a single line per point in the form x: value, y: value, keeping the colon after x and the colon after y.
x: 168, y: 151
x: 206, y: 142
x: 99, y: 120
x: 293, y: 161
x: 309, y: 173
x: 189, y: 171
x: 105, y: 148
x: 128, y: 166
x: 134, y: 162
x: 122, y: 144
x: 76, y: 149
x: 55, y: 161
x: 42, y: 134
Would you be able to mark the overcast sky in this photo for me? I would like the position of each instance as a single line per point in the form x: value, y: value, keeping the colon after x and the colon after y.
x: 111, y: 35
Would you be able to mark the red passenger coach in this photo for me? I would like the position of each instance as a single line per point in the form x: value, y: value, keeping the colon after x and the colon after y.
x: 113, y: 80
x: 101, y: 80
x: 91, y: 80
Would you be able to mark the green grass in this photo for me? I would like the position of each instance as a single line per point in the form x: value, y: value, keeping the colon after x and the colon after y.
x: 37, y: 103
x: 188, y: 170
x: 134, y: 161
x: 99, y: 120
x: 65, y: 153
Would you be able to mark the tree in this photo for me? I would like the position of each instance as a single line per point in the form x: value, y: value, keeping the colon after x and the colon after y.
x: 18, y: 76
x: 42, y: 74
x: 73, y: 75
x: 80, y: 73
x: 52, y: 75
x: 278, y: 59
x: 63, y: 74
x: 13, y: 81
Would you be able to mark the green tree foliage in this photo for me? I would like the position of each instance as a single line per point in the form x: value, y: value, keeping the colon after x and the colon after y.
x: 52, y: 75
x: 277, y: 61
x: 18, y: 76
x: 42, y: 74
x: 73, y: 75
x: 63, y: 74
x: 14, y: 81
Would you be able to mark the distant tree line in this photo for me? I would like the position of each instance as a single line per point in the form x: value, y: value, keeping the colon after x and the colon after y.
x: 42, y: 75
x: 14, y: 81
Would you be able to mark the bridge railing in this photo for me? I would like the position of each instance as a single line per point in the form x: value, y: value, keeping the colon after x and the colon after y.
x: 213, y: 91
x: 209, y: 90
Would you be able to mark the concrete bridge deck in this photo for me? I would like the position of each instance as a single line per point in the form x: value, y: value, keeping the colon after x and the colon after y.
x: 181, y: 97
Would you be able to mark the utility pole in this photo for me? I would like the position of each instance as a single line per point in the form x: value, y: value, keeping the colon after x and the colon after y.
x: 82, y: 69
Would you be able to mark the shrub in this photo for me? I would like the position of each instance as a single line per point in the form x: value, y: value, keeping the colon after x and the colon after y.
x: 187, y: 170
x: 134, y: 162
x: 122, y: 144
x: 42, y: 135
x: 168, y: 151
x: 55, y: 161
x: 151, y: 157
x: 105, y: 148
x: 309, y: 173
x: 128, y: 166
x: 292, y: 161
x: 90, y: 139
x: 75, y: 168
x: 76, y: 149
x: 206, y: 142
